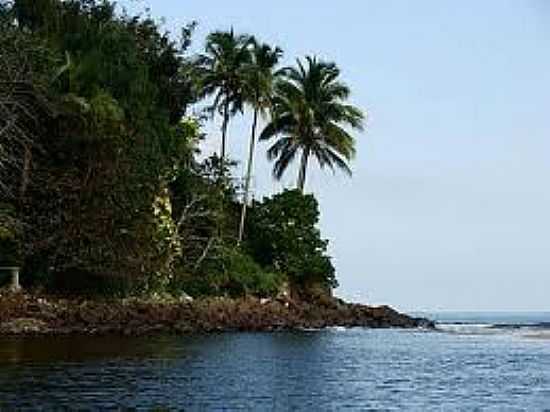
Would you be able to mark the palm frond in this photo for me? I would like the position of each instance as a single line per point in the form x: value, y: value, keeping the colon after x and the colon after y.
x: 284, y: 161
x: 309, y: 112
x: 280, y: 146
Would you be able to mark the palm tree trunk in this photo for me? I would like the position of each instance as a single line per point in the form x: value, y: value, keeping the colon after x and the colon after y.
x: 224, y: 137
x: 221, y: 183
x: 303, y: 170
x: 248, y: 174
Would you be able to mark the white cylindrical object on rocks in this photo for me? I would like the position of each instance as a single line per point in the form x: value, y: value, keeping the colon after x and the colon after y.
x: 15, y: 286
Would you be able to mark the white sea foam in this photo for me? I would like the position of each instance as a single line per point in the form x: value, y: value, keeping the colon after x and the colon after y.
x: 468, y: 328
x: 536, y: 334
x: 338, y: 329
x: 530, y: 331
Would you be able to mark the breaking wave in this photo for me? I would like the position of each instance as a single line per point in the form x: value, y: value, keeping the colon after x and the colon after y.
x: 531, y: 330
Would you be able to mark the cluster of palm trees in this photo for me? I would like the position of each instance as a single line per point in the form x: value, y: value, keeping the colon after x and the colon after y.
x: 305, y: 105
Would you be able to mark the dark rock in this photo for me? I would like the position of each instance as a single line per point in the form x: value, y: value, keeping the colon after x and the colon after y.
x: 22, y: 314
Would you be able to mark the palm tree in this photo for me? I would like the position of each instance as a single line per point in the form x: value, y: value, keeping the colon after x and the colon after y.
x: 310, y: 115
x: 222, y: 67
x: 260, y: 77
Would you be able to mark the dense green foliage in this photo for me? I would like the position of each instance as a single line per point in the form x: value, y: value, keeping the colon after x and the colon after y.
x: 102, y: 184
x: 283, y: 235
x: 111, y: 140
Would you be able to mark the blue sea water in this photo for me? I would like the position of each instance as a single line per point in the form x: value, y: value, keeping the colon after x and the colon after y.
x: 497, y: 362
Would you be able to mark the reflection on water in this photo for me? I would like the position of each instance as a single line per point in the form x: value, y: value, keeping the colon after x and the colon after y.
x: 329, y: 370
x: 83, y: 349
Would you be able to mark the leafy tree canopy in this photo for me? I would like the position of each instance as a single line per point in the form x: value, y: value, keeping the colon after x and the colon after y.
x: 283, y: 234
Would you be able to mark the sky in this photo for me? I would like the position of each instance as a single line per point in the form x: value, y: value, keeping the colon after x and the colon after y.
x: 448, y: 207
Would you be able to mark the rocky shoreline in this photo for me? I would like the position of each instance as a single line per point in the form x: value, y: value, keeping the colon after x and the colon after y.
x: 23, y: 314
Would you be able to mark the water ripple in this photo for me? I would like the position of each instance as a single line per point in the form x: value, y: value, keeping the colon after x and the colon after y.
x: 327, y: 370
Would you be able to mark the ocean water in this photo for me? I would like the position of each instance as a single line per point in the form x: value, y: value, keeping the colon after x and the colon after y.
x: 497, y: 362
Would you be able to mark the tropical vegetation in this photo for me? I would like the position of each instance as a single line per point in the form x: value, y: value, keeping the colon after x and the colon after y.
x: 103, y: 186
x: 309, y: 116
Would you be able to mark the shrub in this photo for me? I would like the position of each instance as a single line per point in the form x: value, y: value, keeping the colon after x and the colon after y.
x: 249, y: 277
x: 283, y: 235
x: 235, y: 274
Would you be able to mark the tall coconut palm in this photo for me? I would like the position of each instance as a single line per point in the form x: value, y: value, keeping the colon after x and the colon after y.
x: 260, y: 77
x: 310, y: 116
x: 222, y: 68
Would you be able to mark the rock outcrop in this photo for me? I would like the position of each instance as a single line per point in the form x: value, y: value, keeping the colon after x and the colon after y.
x: 27, y: 314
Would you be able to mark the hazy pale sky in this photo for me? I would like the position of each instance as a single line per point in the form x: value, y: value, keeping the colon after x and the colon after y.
x: 448, y: 208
